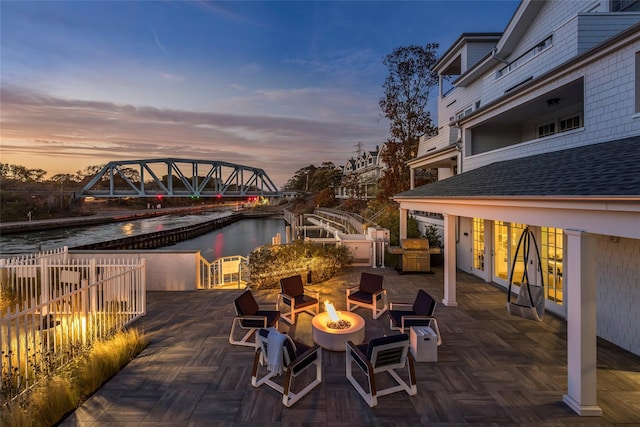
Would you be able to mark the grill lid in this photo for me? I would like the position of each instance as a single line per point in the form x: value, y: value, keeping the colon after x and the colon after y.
x: 414, y: 244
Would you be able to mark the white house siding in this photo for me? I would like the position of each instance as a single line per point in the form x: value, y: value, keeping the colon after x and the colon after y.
x: 609, y: 108
x: 564, y: 47
x: 618, y: 298
x: 595, y: 28
x: 476, y: 51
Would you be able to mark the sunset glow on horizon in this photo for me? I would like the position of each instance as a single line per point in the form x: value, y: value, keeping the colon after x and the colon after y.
x: 275, y: 85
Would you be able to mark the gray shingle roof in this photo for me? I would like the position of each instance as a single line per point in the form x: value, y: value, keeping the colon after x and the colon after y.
x: 605, y: 169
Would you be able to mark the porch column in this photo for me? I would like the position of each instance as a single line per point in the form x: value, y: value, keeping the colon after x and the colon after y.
x: 449, y: 261
x: 403, y: 223
x: 412, y: 178
x: 581, y: 286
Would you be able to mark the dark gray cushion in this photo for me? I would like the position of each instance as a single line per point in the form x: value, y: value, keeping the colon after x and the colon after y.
x: 292, y: 286
x: 246, y: 304
x: 424, y: 305
x: 370, y: 283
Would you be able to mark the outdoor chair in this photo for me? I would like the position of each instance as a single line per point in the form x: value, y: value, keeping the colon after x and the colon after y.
x: 367, y: 294
x: 285, y: 356
x: 384, y: 354
x: 250, y: 318
x: 293, y: 294
x: 402, y: 316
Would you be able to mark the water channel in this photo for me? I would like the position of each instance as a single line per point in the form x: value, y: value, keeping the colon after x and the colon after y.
x: 239, y: 238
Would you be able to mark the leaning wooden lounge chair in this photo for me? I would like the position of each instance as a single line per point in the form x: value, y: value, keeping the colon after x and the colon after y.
x: 384, y: 354
x: 250, y: 318
x: 293, y: 294
x: 402, y: 316
x: 367, y: 294
x: 293, y: 358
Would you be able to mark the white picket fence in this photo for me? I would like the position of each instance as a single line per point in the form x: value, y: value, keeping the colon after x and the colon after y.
x: 59, y: 307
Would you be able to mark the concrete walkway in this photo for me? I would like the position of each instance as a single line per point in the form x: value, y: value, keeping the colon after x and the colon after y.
x: 492, y: 369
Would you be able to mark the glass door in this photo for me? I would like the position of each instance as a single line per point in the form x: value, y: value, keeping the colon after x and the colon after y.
x: 552, y: 263
x: 505, y: 242
x: 478, y: 244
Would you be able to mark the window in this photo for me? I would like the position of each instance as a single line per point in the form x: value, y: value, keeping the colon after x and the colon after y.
x: 546, y: 129
x: 478, y: 244
x: 620, y: 5
x: 531, y: 53
x: 552, y: 266
x: 470, y: 109
x: 569, y: 123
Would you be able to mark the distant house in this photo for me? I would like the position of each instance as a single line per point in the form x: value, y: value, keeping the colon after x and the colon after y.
x: 360, y: 176
x: 539, y: 127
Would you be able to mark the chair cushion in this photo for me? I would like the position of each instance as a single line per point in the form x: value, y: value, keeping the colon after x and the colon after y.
x: 272, y: 316
x: 360, y: 296
x: 384, y: 340
x: 302, y: 301
x: 370, y: 283
x: 396, y: 318
x: 246, y: 304
x: 292, y: 286
x: 424, y: 305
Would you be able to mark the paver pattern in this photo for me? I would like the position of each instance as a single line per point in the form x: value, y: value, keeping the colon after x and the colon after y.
x: 492, y: 369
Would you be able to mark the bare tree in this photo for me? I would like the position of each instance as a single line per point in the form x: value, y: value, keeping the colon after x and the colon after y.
x: 407, y: 89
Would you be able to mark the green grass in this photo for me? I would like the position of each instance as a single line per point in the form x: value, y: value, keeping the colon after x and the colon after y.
x: 49, y: 402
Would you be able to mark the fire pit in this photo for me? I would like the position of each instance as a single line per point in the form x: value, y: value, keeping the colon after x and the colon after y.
x: 331, y: 329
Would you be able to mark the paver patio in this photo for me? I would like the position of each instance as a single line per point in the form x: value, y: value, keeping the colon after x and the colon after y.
x: 492, y: 368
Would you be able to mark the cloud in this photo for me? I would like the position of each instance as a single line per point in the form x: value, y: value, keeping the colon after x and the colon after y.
x: 251, y: 69
x: 157, y: 40
x: 39, y: 126
x: 343, y: 64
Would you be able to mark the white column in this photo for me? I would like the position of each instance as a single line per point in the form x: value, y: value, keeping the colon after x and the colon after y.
x: 580, y: 297
x: 403, y: 223
x: 449, y: 261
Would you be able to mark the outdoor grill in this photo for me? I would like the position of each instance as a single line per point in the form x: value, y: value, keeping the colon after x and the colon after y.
x: 415, y: 255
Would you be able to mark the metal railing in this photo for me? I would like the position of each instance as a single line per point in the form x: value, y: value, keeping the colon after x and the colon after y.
x: 354, y: 222
x: 58, y: 308
x: 230, y: 272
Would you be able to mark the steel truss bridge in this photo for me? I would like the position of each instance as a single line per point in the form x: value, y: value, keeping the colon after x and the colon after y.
x: 172, y: 177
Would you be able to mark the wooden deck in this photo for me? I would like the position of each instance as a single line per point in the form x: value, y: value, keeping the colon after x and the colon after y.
x: 492, y: 369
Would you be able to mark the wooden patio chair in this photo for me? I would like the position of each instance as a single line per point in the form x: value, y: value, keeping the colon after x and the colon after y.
x: 384, y: 354
x: 293, y: 294
x: 292, y: 359
x: 402, y: 316
x: 250, y: 318
x: 367, y: 294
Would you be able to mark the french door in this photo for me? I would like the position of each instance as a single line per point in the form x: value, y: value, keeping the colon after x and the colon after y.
x: 505, y: 242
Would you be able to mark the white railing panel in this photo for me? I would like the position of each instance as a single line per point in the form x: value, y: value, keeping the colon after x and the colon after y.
x: 61, y: 307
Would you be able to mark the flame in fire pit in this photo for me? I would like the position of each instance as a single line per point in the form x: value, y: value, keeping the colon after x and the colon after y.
x: 335, y: 322
x: 329, y: 308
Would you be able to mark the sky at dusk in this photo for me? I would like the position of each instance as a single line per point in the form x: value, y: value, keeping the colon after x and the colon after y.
x: 270, y: 84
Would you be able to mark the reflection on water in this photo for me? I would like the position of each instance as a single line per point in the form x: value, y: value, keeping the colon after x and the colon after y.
x: 127, y: 229
x: 52, y: 239
x: 239, y: 238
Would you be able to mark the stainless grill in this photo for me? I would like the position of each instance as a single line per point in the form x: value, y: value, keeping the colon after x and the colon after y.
x: 415, y: 255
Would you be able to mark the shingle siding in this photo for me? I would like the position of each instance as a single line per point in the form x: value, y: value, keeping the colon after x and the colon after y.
x: 618, y: 297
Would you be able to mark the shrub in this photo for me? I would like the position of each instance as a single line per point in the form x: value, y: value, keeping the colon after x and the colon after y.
x: 268, y: 264
x: 55, y: 397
